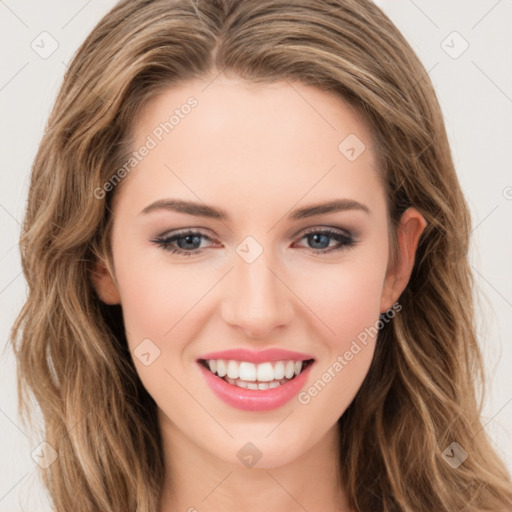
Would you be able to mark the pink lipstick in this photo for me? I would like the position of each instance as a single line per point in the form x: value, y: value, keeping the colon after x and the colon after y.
x: 255, y: 380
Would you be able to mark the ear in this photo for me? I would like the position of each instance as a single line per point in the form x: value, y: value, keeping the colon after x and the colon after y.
x: 399, y: 271
x: 104, y: 284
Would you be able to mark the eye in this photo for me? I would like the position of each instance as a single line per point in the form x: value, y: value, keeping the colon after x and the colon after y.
x: 320, y: 240
x: 187, y: 243
x: 184, y: 243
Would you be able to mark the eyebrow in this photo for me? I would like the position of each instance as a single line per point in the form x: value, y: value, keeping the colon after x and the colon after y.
x: 203, y: 210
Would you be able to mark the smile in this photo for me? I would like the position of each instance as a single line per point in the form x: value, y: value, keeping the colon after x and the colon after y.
x: 247, y: 375
x: 255, y: 381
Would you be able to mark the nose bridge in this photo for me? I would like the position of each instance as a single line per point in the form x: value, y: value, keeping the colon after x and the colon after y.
x: 256, y: 300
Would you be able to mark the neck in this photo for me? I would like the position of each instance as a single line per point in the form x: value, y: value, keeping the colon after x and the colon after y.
x: 197, y: 480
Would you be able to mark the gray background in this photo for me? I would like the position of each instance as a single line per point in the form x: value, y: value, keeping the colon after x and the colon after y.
x: 475, y: 90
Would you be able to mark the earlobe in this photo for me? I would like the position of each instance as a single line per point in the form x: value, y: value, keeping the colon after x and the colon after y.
x: 104, y: 284
x: 412, y: 225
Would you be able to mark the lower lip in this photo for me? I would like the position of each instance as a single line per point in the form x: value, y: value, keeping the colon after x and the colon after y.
x: 253, y: 399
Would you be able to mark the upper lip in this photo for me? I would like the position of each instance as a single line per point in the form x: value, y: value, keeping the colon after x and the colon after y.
x: 257, y: 356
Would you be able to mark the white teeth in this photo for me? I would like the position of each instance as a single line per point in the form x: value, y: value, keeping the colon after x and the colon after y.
x: 255, y: 376
x: 247, y: 371
x: 265, y: 372
x: 289, y: 369
x: 256, y: 385
x: 233, y: 370
x: 279, y: 370
x: 221, y: 368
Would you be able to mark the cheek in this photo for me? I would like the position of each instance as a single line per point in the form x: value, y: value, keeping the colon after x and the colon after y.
x: 345, y: 296
x: 157, y: 297
x: 161, y: 306
x: 346, y: 299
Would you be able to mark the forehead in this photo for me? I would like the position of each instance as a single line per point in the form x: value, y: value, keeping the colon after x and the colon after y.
x: 262, y: 142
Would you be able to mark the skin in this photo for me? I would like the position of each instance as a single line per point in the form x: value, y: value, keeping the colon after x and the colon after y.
x: 258, y: 152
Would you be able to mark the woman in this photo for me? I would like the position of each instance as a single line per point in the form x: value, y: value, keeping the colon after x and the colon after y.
x: 246, y: 252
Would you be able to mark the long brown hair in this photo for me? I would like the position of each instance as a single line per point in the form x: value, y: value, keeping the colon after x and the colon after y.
x: 420, y: 394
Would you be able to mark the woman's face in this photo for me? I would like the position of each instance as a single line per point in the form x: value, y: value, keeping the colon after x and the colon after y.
x: 287, y: 260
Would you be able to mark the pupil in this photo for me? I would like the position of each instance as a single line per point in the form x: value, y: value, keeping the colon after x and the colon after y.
x: 320, y: 238
x: 189, y: 239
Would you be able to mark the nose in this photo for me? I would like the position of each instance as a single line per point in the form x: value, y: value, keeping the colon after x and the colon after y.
x: 257, y: 301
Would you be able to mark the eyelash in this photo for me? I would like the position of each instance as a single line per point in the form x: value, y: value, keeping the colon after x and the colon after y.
x: 345, y: 241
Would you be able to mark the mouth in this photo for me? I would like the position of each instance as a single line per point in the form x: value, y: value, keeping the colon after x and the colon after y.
x: 256, y: 376
x: 255, y: 380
